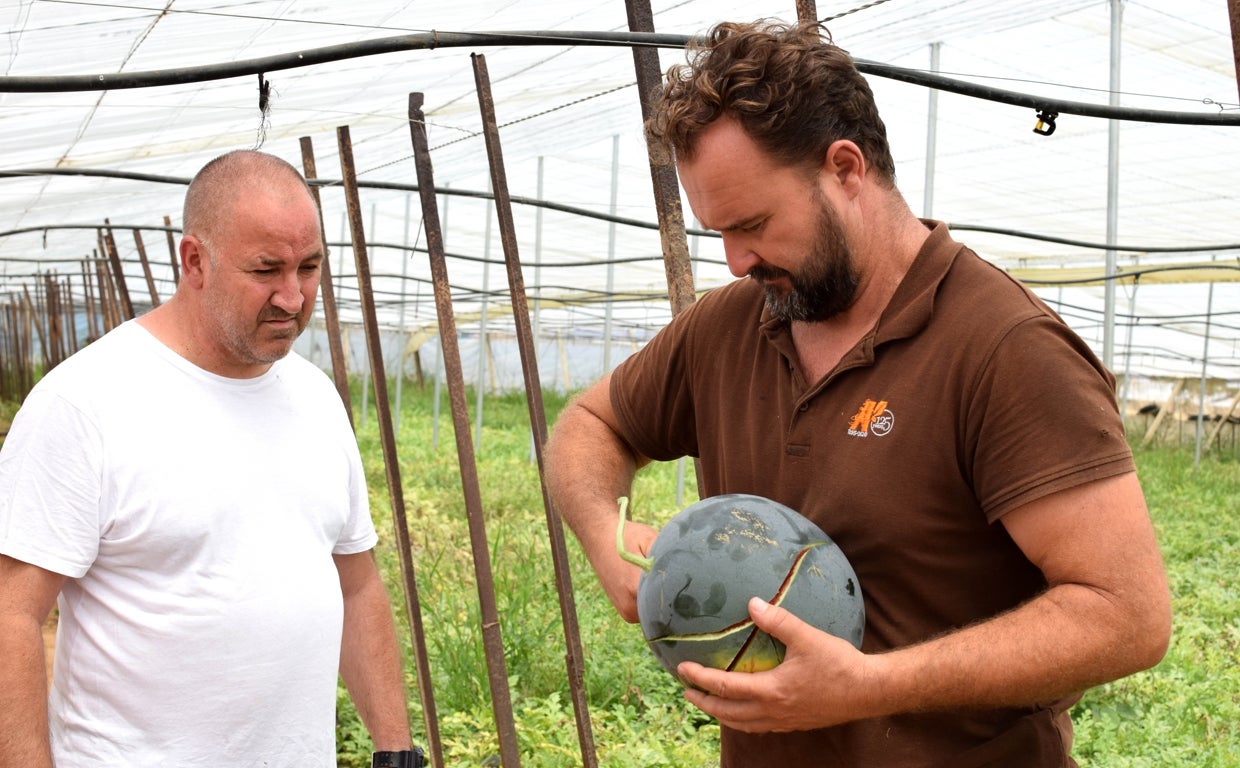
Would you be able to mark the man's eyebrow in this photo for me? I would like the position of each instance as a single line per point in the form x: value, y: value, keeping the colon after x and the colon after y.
x: 275, y: 261
x: 740, y: 223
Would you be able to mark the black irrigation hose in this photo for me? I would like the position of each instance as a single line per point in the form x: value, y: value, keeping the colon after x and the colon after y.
x: 1129, y: 274
x: 433, y: 40
x: 561, y: 207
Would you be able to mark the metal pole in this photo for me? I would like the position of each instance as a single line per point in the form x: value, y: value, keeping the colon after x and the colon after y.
x: 1233, y: 13
x: 391, y: 461
x: 1205, y: 360
x: 538, y: 244
x: 366, y: 371
x: 479, y: 385
x: 492, y: 640
x: 1132, y: 322
x: 146, y: 268
x: 118, y: 272
x: 538, y: 223
x: 1108, y: 323
x: 404, y: 275
x: 443, y: 239
x: 676, y: 262
x: 662, y: 167
x: 611, y: 251
x: 88, y: 295
x: 340, y: 366
x: 172, y: 251
x: 538, y: 417
x: 932, y: 137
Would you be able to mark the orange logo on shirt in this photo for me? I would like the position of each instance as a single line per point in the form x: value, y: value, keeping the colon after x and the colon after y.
x: 873, y: 417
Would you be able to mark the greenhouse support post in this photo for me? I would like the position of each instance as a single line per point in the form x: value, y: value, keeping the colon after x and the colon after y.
x: 1108, y: 322
x: 327, y: 291
x: 527, y: 345
x: 932, y: 136
x: 492, y: 639
x: 387, y: 437
x: 1205, y: 362
x: 146, y: 267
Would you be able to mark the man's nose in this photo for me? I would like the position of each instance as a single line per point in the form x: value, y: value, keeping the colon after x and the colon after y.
x: 739, y: 255
x: 288, y: 296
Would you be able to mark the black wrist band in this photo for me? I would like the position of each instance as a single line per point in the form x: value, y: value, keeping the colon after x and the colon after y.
x: 408, y: 758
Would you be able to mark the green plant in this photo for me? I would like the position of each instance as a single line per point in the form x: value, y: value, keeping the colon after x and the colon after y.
x: 1186, y: 709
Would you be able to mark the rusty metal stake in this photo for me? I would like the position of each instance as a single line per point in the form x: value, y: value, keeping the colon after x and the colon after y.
x: 676, y: 262
x: 118, y: 272
x: 146, y: 268
x: 387, y: 436
x: 105, y: 319
x: 340, y: 366
x: 172, y: 252
x: 538, y: 414
x: 88, y: 296
x: 501, y: 700
x: 53, y: 321
x: 1233, y: 15
x: 34, y: 316
x: 71, y: 315
x: 807, y: 10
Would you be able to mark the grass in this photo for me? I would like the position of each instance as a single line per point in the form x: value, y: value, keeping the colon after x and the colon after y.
x: 637, y: 715
x: 1185, y: 709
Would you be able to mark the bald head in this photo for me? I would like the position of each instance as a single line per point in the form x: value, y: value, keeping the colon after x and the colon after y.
x: 232, y: 179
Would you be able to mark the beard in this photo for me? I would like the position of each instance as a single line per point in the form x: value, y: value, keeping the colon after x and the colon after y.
x: 825, y: 284
x: 248, y: 340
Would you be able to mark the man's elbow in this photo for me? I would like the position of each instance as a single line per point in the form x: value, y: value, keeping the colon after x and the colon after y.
x: 1148, y: 635
x: 1157, y: 635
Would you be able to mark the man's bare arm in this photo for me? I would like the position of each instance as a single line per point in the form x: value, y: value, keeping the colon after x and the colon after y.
x: 27, y: 594
x: 370, y: 661
x: 1105, y: 614
x: 589, y: 466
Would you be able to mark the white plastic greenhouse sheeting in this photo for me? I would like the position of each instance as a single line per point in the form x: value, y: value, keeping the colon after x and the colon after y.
x: 564, y: 110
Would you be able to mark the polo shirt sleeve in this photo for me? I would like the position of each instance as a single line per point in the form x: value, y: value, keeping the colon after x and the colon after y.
x: 1043, y: 418
x: 652, y: 393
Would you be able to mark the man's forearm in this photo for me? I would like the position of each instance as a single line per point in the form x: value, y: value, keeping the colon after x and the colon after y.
x: 23, y: 695
x: 588, y: 468
x: 370, y: 665
x: 1066, y: 640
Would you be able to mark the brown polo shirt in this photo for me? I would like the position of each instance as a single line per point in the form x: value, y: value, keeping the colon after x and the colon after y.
x: 968, y: 399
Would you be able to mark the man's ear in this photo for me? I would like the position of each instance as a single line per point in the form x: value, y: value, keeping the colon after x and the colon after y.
x: 844, y: 166
x: 193, y: 260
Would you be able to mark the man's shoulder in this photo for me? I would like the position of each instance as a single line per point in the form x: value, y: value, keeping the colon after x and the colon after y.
x: 988, y: 294
x: 738, y: 297
x: 97, y: 363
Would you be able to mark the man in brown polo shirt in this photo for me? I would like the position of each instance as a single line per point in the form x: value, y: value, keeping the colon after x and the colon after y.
x: 950, y: 433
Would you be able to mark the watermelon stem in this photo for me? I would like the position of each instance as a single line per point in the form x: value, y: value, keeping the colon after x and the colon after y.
x: 645, y: 563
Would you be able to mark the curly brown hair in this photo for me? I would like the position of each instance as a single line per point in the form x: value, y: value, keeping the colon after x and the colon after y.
x: 792, y: 90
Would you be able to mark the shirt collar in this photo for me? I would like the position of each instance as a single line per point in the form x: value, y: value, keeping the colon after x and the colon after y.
x: 910, y: 307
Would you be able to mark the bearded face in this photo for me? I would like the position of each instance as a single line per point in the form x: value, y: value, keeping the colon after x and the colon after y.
x: 824, y: 285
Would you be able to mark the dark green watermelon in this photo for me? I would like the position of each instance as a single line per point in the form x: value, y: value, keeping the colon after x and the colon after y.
x: 716, y: 554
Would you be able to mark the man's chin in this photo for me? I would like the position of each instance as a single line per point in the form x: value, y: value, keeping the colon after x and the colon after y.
x: 275, y: 347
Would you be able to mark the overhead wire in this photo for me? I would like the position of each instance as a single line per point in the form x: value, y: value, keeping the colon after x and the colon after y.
x: 580, y: 211
x: 443, y: 39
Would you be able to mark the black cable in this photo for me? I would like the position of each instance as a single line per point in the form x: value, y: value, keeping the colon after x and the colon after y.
x: 560, y: 207
x: 435, y: 39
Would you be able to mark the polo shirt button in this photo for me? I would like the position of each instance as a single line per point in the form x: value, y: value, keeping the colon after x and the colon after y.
x: 803, y: 407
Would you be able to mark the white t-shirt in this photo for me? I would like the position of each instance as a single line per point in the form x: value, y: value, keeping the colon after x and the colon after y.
x: 196, y: 517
